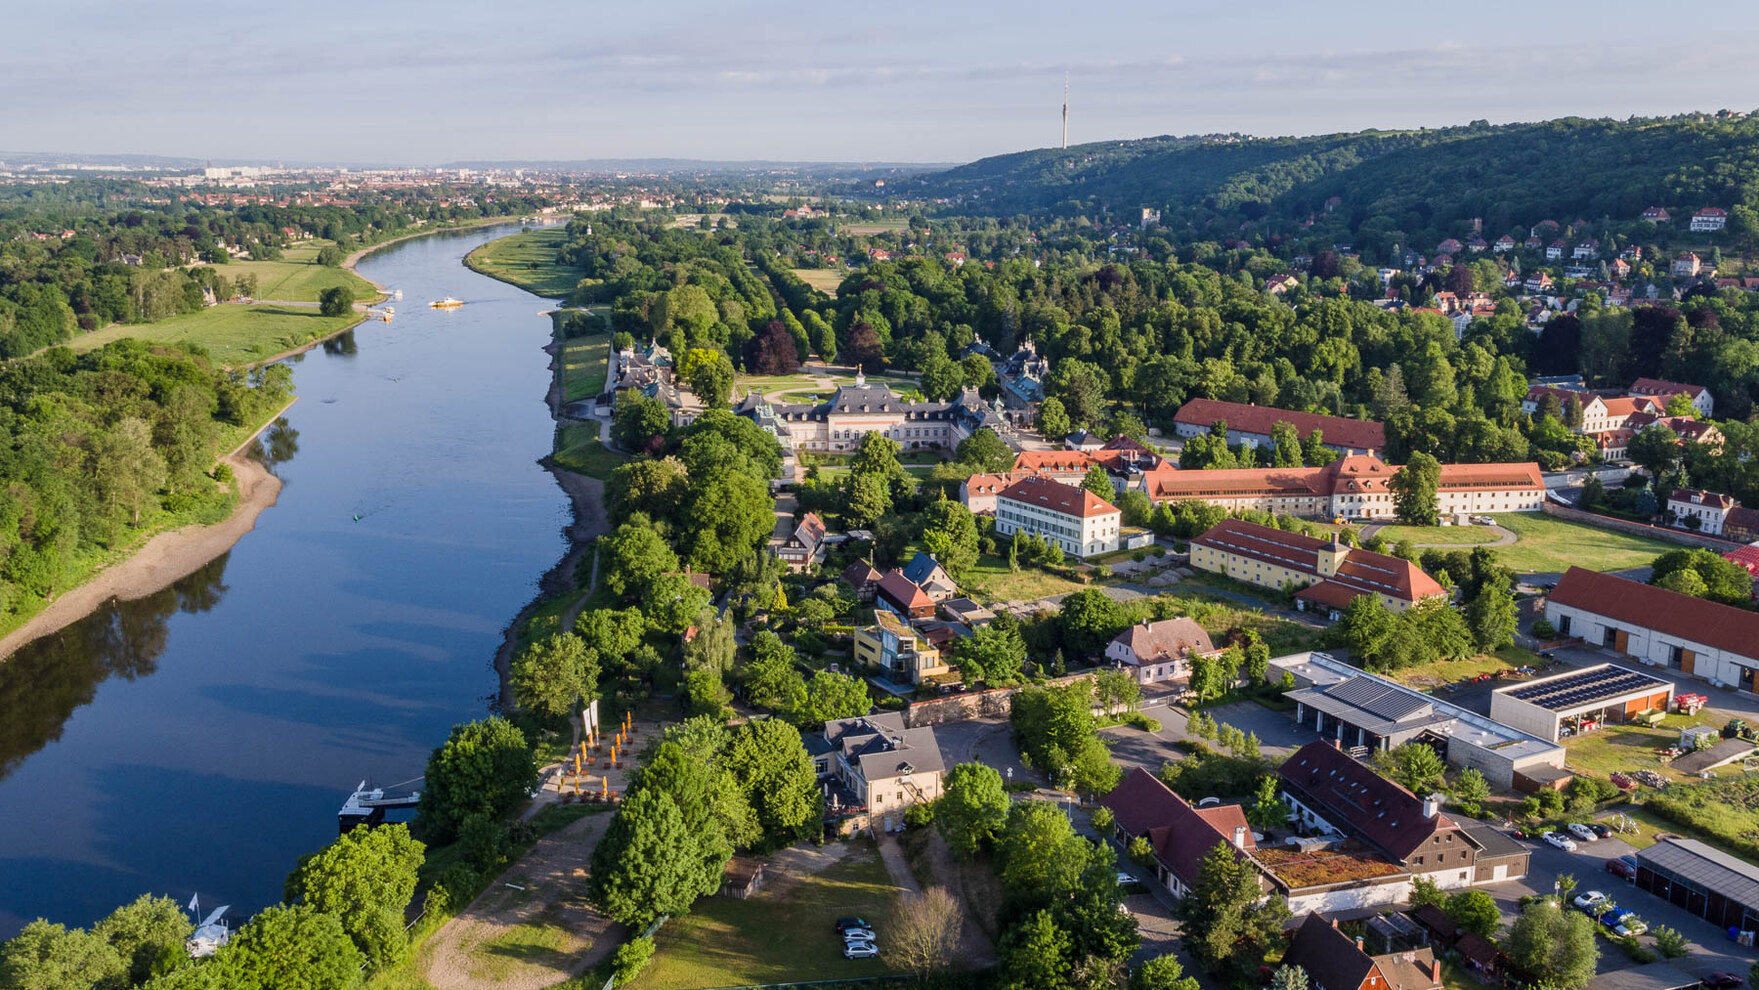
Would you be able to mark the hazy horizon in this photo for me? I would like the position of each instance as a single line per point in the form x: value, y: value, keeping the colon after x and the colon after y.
x: 403, y: 82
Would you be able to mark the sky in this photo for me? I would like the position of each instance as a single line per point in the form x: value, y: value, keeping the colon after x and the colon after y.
x: 429, y: 81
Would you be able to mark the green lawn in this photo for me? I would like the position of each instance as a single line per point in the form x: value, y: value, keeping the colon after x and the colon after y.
x: 578, y: 450
x: 1628, y: 747
x: 1548, y: 544
x: 298, y: 278
x: 774, y: 938
x: 234, y: 334
x: 1450, y: 535
x: 583, y: 366
x: 824, y: 280
x: 1451, y: 671
x: 528, y: 260
x: 991, y: 580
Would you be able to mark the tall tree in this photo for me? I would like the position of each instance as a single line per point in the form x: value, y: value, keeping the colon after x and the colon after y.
x: 1554, y: 945
x: 972, y: 808
x: 1415, y: 490
x: 289, y: 948
x: 1053, y: 419
x: 985, y: 451
x: 1229, y: 923
x: 126, y: 466
x: 484, y: 768
x: 1491, y: 616
x: 925, y: 933
x: 366, y: 879
x: 771, y: 765
x: 552, y: 675
x: 648, y: 863
x: 1099, y: 483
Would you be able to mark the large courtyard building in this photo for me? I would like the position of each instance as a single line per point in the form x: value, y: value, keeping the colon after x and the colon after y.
x: 1351, y: 487
x: 1252, y: 425
x: 1329, y: 574
x: 837, y: 424
x: 1077, y: 520
x: 1658, y: 627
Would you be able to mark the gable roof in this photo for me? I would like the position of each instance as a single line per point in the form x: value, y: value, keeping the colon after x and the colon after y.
x: 1695, y: 620
x: 1361, y: 570
x: 1337, y: 431
x: 860, y: 574
x: 903, y: 592
x: 990, y: 484
x: 922, y: 567
x: 1698, y: 496
x: 1167, y: 639
x: 1181, y: 837
x: 1383, y: 812
x: 1658, y: 386
x: 1058, y: 497
x: 1331, y: 958
x: 1064, y: 461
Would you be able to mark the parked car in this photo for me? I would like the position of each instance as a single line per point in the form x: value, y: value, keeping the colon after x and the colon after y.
x: 859, y: 950
x: 1561, y: 841
x: 1521, y: 833
x: 1126, y: 880
x: 1588, y: 899
x: 1721, y: 981
x: 858, y: 935
x: 1624, y: 921
x: 1624, y: 866
x: 1602, y: 831
x: 852, y: 922
x: 1581, y: 831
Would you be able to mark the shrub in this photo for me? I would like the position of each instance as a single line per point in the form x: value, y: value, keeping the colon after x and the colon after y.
x: 223, y: 473
x: 1140, y: 721
x: 919, y: 814
x: 1543, y: 629
x: 631, y: 957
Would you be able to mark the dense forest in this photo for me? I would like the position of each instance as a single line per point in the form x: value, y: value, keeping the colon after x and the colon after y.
x: 1411, y: 188
x: 96, y: 448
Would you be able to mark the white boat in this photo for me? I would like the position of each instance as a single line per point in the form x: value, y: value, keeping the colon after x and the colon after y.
x: 447, y: 303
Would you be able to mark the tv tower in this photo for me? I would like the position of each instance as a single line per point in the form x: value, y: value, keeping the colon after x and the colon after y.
x: 1065, y: 110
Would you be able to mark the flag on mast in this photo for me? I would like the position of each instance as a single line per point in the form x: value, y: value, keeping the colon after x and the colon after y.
x: 194, y: 904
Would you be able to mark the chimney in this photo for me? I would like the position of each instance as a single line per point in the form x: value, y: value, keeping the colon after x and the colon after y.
x: 1435, y: 969
x: 1431, y: 805
x: 1337, y: 743
x: 1240, y: 836
x: 1359, y: 945
x: 1334, y: 922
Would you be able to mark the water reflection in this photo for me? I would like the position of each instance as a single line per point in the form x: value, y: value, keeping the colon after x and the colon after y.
x: 341, y: 345
x: 46, y: 681
x: 276, y: 445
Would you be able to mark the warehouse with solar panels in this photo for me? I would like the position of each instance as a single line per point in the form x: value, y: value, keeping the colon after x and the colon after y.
x: 1579, y: 701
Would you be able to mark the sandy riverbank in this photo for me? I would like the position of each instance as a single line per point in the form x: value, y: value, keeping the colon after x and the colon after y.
x: 165, y: 559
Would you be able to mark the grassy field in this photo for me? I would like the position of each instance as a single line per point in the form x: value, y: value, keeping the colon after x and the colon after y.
x: 1427, y: 535
x: 872, y: 227
x: 1455, y: 671
x: 824, y: 280
x: 992, y: 581
x: 528, y: 260
x: 234, y: 334
x: 1548, y: 544
x: 578, y: 450
x: 583, y: 366
x: 1630, y: 747
x: 298, y: 277
x: 775, y: 936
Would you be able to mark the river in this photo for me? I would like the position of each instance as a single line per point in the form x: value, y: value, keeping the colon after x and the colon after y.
x: 202, y: 739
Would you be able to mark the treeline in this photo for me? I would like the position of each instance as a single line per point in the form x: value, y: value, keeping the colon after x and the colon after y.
x: 97, y: 447
x: 56, y: 286
x: 1393, y: 188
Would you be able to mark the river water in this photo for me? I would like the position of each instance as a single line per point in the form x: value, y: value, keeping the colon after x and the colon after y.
x: 202, y: 739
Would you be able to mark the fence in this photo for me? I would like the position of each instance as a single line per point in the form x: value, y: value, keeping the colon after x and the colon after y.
x: 1680, y: 536
x: 611, y: 981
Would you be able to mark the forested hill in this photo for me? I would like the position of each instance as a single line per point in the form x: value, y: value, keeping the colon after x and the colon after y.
x: 1421, y: 182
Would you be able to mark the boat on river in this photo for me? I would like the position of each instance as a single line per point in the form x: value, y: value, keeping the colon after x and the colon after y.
x: 447, y: 303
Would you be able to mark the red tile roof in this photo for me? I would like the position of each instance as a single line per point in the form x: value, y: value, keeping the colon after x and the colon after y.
x: 990, y: 484
x: 1747, y: 557
x: 1057, y: 497
x: 1351, y: 795
x: 1698, y: 496
x: 1165, y: 640
x: 1657, y: 386
x: 1692, y: 619
x: 1061, y: 461
x: 1362, y: 570
x: 904, y: 593
x: 1181, y: 837
x: 1354, y: 434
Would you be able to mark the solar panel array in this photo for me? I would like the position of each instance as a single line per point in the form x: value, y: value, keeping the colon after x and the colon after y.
x: 1370, y: 695
x: 1586, y: 688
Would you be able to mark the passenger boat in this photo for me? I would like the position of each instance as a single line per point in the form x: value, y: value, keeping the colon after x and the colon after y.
x: 447, y: 303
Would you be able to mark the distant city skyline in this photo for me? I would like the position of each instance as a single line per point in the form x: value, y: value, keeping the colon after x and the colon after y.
x: 406, y: 81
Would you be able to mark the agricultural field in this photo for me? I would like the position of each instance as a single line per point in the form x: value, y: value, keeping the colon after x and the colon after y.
x: 785, y: 932
x: 235, y: 334
x: 824, y: 280
x: 528, y: 260
x: 1548, y: 545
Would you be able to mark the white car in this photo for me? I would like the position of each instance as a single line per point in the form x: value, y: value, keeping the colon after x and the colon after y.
x: 1561, y: 841
x: 860, y: 950
x: 858, y: 935
x: 1587, y: 901
x: 1582, y: 832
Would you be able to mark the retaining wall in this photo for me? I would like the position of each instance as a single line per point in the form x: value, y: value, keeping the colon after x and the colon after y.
x: 1681, y: 536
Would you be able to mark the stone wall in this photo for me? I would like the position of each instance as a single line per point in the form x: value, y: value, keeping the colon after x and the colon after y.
x: 974, y: 704
x: 1680, y: 536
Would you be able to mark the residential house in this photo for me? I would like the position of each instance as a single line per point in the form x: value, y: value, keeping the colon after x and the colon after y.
x: 1687, y: 265
x: 903, y: 655
x: 927, y: 573
x: 1353, y: 487
x: 1533, y: 243
x: 864, y: 578
x: 881, y: 767
x: 1448, y: 246
x: 1335, y: 961
x: 1330, y: 574
x: 1709, y: 508
x: 1741, y: 525
x: 1160, y: 651
x: 1658, y: 627
x: 978, y: 492
x: 1477, y: 245
x: 1710, y: 218
x: 1619, y: 268
x: 1537, y: 282
x: 1589, y: 248
x: 1504, y: 244
x: 1555, y: 250
x: 902, y: 595
x: 1085, y: 441
x: 799, y: 546
x: 1278, y: 285
x: 1077, y: 520
x: 1252, y: 425
x: 1180, y: 835
x: 1656, y: 214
